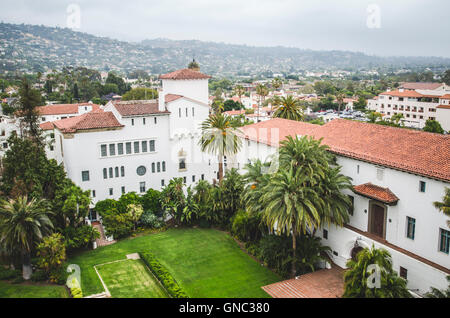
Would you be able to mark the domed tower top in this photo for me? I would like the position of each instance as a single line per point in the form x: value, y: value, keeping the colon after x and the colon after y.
x: 194, y: 65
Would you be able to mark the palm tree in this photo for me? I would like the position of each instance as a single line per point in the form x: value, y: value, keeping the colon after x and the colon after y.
x: 445, y: 205
x: 262, y: 91
x: 255, y: 178
x: 220, y: 138
x: 358, y: 276
x: 289, y: 108
x: 276, y: 83
x: 23, y: 224
x: 239, y: 91
x: 290, y: 206
x: 373, y: 117
x: 340, y: 99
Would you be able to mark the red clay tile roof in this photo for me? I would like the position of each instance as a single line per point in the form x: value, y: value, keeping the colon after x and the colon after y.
x: 418, y: 85
x: 235, y: 112
x: 61, y: 109
x: 444, y: 106
x: 446, y: 96
x: 184, y: 74
x: 48, y: 125
x: 406, y: 93
x: 171, y: 97
x: 376, y: 192
x: 138, y: 108
x: 91, y: 120
x: 413, y: 151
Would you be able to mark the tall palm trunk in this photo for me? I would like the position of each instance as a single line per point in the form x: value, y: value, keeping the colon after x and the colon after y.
x: 26, y: 265
x: 294, y: 248
x: 220, y: 168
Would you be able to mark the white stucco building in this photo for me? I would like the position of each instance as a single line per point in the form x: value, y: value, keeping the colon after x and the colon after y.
x: 416, y: 105
x: 397, y: 175
x: 136, y: 145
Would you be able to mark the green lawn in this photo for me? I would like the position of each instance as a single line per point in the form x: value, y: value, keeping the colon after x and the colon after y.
x: 130, y: 279
x: 205, y: 262
x: 8, y: 290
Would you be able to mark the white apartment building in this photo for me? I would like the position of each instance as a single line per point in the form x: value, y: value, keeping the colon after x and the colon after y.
x: 416, y: 105
x: 397, y: 175
x: 136, y: 145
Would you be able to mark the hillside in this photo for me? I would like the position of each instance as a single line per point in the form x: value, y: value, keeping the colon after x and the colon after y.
x: 38, y: 48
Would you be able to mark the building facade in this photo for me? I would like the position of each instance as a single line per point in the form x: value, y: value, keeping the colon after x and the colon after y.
x: 396, y: 174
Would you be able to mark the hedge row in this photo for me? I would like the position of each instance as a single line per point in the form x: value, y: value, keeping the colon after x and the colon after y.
x: 163, y: 275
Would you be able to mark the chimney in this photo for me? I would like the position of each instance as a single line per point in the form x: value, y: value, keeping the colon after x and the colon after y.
x: 161, y: 101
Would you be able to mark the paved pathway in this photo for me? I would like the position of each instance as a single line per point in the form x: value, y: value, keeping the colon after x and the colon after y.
x: 102, y: 240
x: 324, y: 283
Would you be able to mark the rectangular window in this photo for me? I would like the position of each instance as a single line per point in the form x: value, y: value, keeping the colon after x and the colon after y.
x: 136, y: 147
x: 123, y: 189
x: 153, y: 167
x: 116, y: 170
x: 357, y: 169
x: 203, y: 177
x: 444, y: 241
x: 193, y: 178
x: 111, y: 172
x: 158, y: 167
x: 144, y: 146
x: 187, y: 112
x: 105, y: 173
x: 163, y: 166
x: 128, y: 147
x: 184, y: 179
x: 152, y: 145
x: 103, y: 150
x: 403, y: 273
x: 132, y: 121
x: 85, y: 175
x: 325, y: 234
x: 122, y: 171
x: 193, y: 112
x: 93, y: 193
x: 410, y: 227
x: 155, y: 120
x: 162, y: 182
x: 110, y: 191
x: 112, y: 149
x: 143, y: 121
x: 120, y: 148
x: 142, y: 187
x: 179, y: 112
x: 182, y: 164
x: 422, y: 185
x: 352, y: 204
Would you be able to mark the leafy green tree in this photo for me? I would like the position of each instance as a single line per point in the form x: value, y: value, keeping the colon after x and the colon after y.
x: 135, y: 212
x: 230, y: 104
x: 219, y: 138
x: 373, y: 117
x: 173, y: 199
x: 277, y: 83
x: 52, y: 253
x: 360, y: 104
x: 151, y: 201
x: 289, y: 108
x: 446, y: 77
x: 239, y: 91
x: 23, y: 224
x: 29, y: 99
x: 433, y: 126
x: 357, y: 277
x: 140, y: 93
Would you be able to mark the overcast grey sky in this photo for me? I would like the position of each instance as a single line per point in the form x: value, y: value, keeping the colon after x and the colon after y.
x: 406, y: 27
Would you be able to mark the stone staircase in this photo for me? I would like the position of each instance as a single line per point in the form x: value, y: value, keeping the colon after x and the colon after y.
x: 102, y: 241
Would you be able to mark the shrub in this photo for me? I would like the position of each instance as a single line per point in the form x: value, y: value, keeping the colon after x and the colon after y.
x: 151, y: 202
x: 18, y: 280
x: 163, y: 275
x: 59, y: 276
x: 6, y: 273
x: 150, y: 220
x: 80, y: 237
x: 51, y: 252
x: 118, y: 225
x: 39, y: 276
x: 76, y: 292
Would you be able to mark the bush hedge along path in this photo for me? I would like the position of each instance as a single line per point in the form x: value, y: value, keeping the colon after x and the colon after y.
x: 204, y: 263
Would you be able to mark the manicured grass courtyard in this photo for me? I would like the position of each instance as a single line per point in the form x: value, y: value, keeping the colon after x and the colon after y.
x: 205, y: 263
x: 130, y: 279
x: 24, y: 290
